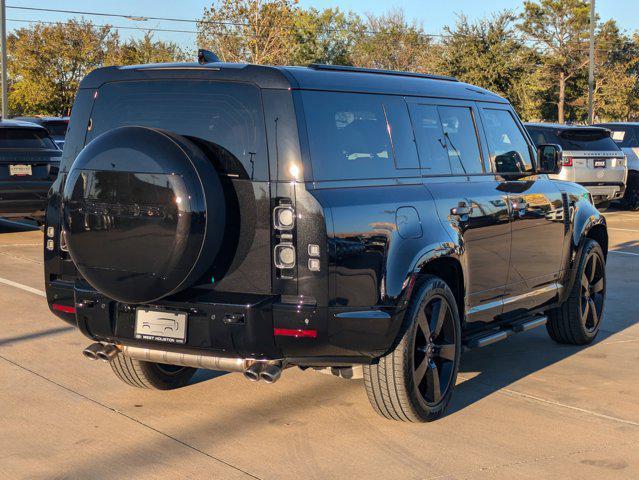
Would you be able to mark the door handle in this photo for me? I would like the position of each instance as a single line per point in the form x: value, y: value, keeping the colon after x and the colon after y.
x: 461, y: 209
x: 520, y: 204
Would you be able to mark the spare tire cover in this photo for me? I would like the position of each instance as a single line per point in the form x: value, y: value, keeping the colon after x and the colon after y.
x: 144, y: 213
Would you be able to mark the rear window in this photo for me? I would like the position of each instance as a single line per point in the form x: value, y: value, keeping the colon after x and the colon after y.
x: 625, y: 137
x: 222, y: 118
x: 25, y: 138
x: 575, y: 139
x: 58, y: 129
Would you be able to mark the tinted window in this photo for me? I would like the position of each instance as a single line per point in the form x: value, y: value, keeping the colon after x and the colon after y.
x: 461, y: 138
x: 25, y: 138
x: 56, y: 128
x: 348, y: 136
x: 225, y: 119
x: 508, y: 148
x: 592, y: 139
x: 625, y: 137
x: 429, y: 136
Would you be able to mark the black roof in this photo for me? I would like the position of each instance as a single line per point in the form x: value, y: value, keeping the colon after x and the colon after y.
x: 562, y: 126
x: 305, y: 78
x: 620, y: 124
x: 19, y: 124
x: 41, y: 120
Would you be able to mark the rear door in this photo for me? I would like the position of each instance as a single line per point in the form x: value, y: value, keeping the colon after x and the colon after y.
x: 470, y: 200
x: 537, y: 210
x: 27, y: 155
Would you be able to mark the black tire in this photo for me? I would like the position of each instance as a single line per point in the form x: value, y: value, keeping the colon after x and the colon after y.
x: 138, y: 373
x: 577, y: 320
x: 630, y: 200
x: 391, y: 383
x: 603, y: 206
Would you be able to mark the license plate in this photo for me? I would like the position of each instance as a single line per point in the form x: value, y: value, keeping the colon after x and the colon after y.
x: 160, y: 326
x: 600, y: 164
x: 20, y: 170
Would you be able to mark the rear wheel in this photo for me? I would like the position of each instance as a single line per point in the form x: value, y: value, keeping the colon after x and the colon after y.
x: 630, y: 200
x: 159, y: 376
x: 415, y: 381
x: 578, y: 319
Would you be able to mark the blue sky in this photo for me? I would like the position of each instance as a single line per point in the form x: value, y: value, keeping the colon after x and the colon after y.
x: 430, y: 13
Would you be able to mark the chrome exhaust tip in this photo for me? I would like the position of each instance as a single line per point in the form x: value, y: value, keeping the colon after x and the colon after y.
x: 253, y: 371
x: 271, y: 373
x: 107, y: 353
x: 91, y: 352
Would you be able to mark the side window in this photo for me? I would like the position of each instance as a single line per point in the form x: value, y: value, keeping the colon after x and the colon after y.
x: 461, y: 138
x: 349, y: 136
x: 508, y: 148
x: 429, y: 136
x: 537, y: 135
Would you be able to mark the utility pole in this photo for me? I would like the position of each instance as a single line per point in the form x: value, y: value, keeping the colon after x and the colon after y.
x: 3, y: 47
x: 591, y: 63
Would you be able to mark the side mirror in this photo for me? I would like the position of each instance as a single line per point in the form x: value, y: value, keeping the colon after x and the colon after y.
x: 549, y: 158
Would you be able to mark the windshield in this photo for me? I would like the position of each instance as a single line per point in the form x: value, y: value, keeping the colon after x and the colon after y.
x: 31, y: 138
x: 586, y: 139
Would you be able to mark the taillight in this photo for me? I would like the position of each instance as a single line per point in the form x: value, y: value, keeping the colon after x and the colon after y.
x: 566, y: 161
x: 284, y: 254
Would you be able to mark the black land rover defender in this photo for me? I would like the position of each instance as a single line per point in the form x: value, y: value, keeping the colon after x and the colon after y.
x: 252, y: 218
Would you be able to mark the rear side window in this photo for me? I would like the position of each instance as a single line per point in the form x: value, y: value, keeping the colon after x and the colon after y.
x: 350, y: 136
x: 223, y: 117
x: 508, y: 148
x: 430, y: 139
x: 459, y: 130
x: 25, y: 138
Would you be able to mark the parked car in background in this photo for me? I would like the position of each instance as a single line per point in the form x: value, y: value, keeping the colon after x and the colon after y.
x: 29, y: 161
x: 57, y: 127
x: 250, y: 218
x: 590, y: 158
x: 626, y: 136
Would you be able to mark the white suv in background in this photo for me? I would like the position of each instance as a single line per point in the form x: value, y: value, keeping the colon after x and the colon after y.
x: 626, y: 136
x: 590, y: 158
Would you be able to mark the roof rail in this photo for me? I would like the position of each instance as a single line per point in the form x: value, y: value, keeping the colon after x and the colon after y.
x: 345, y: 68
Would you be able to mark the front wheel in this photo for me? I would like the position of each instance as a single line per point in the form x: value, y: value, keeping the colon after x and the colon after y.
x: 577, y: 320
x: 415, y: 381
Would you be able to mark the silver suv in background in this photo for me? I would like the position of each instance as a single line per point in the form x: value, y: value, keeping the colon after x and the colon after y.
x: 626, y: 136
x: 590, y: 158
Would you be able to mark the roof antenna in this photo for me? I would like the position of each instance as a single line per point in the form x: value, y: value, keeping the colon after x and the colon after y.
x: 205, y: 56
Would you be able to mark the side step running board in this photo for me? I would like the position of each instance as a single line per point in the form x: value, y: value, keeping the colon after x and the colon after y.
x: 485, y: 339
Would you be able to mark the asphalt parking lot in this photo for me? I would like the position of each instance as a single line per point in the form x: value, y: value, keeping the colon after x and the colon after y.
x: 525, y: 408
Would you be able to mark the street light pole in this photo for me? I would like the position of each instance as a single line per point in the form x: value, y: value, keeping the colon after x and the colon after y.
x: 591, y: 63
x: 3, y: 47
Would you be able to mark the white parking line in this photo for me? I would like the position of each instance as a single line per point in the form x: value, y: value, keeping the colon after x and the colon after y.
x: 623, y: 229
x: 624, y: 253
x: 22, y: 287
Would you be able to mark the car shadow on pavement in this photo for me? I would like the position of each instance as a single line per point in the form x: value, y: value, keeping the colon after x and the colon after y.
x: 15, y: 226
x: 34, y: 335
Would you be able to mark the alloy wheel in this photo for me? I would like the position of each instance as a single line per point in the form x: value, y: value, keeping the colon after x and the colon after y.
x: 593, y: 289
x: 434, y: 350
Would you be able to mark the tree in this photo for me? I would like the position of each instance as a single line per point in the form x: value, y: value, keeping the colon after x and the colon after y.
x: 47, y: 62
x: 560, y: 29
x: 489, y: 53
x: 145, y: 50
x: 254, y: 31
x: 616, y: 91
x: 390, y: 42
x: 326, y: 36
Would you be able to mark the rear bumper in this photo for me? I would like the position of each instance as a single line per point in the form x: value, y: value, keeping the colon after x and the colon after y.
x: 260, y: 327
x: 23, y: 199
x: 605, y: 191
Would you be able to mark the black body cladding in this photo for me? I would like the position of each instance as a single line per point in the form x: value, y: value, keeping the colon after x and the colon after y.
x: 389, y: 177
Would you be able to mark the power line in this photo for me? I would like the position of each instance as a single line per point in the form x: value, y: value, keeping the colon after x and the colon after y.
x: 115, y: 27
